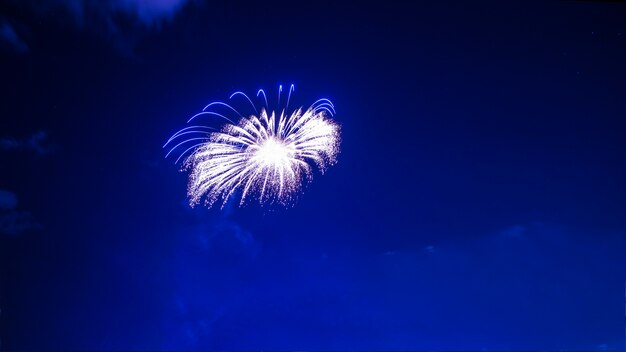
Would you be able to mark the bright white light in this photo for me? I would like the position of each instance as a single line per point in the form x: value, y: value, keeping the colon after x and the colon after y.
x: 273, y: 153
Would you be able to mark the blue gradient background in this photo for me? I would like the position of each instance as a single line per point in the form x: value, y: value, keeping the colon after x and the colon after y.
x: 479, y: 201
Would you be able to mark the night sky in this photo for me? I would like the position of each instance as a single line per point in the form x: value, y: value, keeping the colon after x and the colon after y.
x: 478, y: 202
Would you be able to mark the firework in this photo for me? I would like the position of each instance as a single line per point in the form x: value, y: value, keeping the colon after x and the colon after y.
x: 266, y: 155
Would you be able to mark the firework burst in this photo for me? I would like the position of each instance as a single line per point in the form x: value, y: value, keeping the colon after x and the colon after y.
x: 266, y: 155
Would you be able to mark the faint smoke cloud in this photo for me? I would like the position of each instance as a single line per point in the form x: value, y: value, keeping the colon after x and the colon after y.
x: 122, y: 22
x: 9, y: 38
x: 8, y: 200
x: 144, y: 12
x: 150, y: 12
x: 36, y: 143
x: 13, y: 222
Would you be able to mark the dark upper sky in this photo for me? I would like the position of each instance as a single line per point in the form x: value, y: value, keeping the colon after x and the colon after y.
x: 479, y: 200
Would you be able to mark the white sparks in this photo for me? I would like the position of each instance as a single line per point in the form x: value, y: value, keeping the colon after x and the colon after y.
x: 266, y: 156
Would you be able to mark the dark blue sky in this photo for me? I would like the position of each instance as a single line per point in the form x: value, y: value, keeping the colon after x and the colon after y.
x: 479, y: 201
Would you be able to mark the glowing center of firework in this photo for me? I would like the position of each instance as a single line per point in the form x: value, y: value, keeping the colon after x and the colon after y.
x: 273, y: 153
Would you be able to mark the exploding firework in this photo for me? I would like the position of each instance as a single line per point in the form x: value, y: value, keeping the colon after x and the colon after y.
x: 266, y: 155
